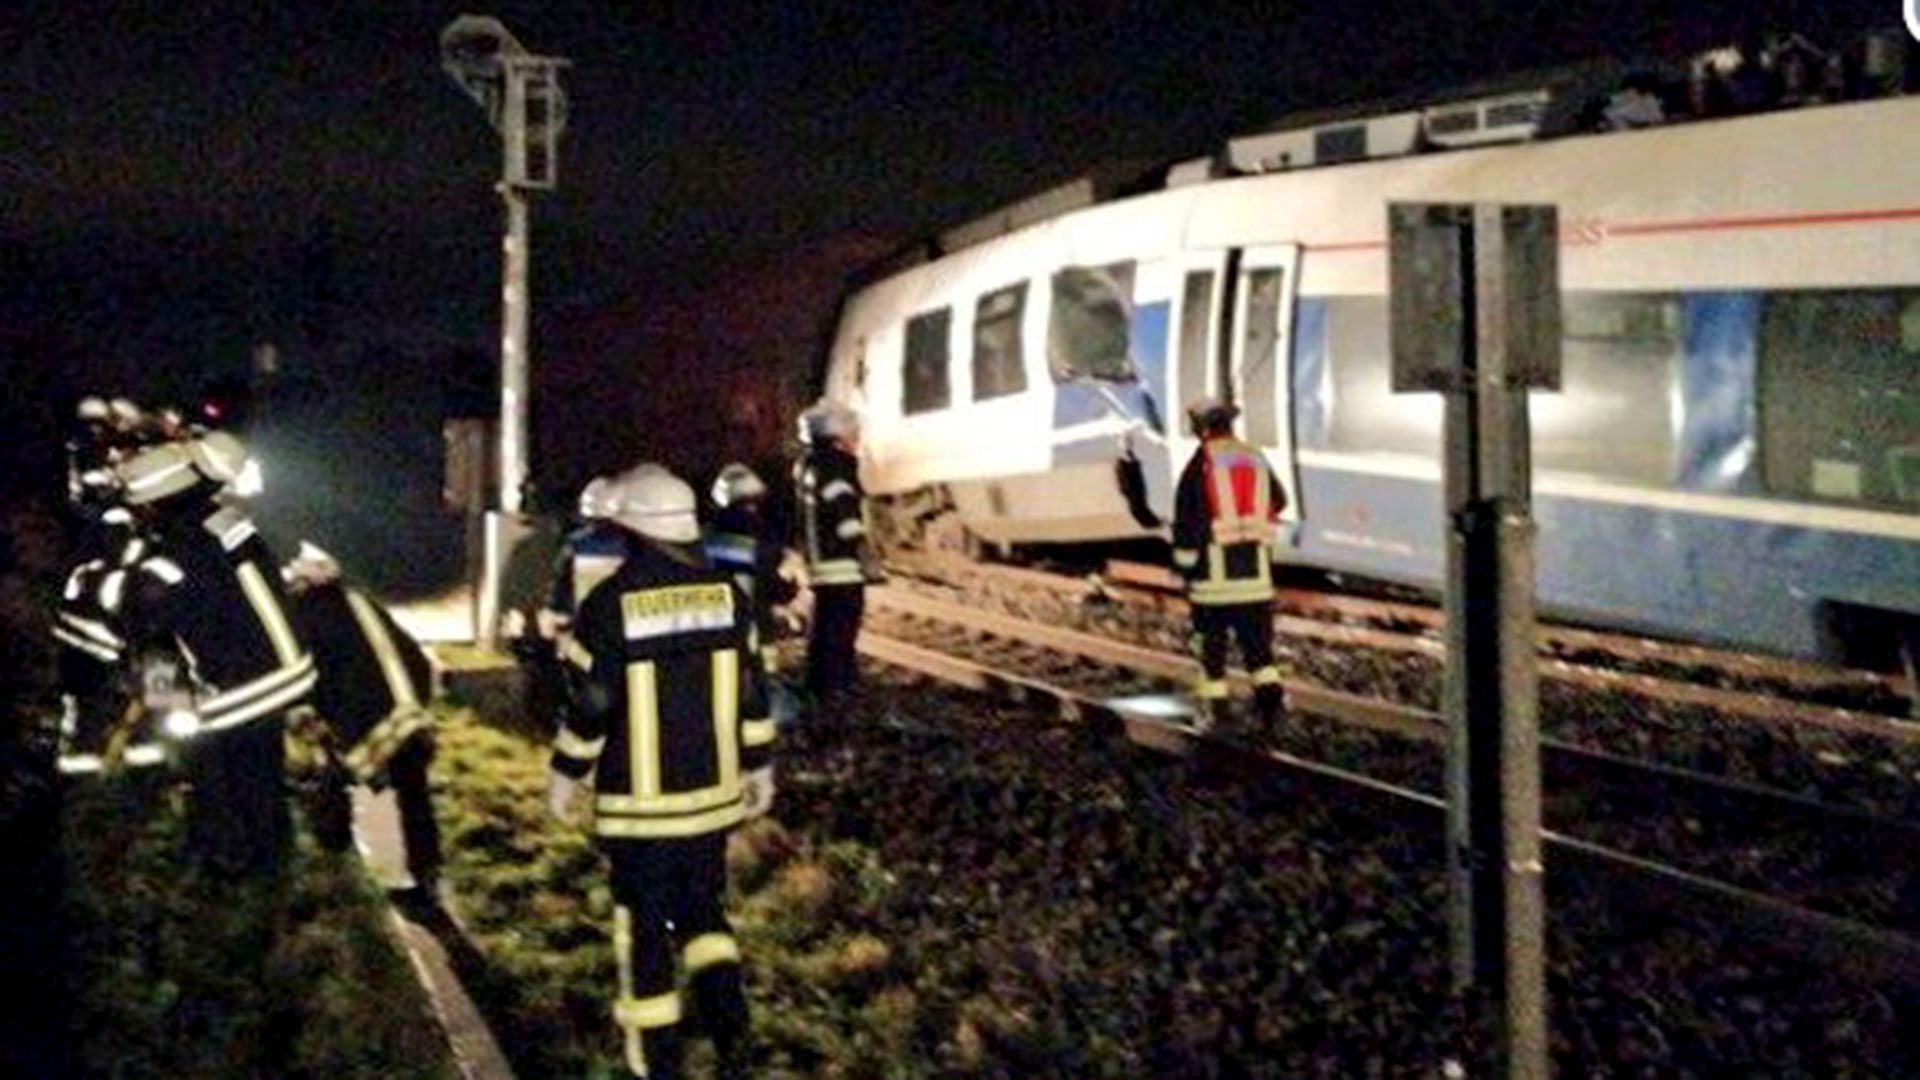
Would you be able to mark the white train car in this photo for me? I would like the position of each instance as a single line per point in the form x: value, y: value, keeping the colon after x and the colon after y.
x: 1735, y: 455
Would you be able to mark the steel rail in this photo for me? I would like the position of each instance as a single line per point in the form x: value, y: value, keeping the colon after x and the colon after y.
x: 1786, y: 669
x: 1747, y: 705
x: 1858, y: 950
x: 1374, y: 713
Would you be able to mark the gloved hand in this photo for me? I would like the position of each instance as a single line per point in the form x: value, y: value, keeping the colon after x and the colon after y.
x: 758, y: 791
x: 306, y: 744
x: 563, y: 797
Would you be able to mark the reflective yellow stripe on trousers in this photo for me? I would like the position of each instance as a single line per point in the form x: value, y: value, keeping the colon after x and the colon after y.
x: 709, y: 949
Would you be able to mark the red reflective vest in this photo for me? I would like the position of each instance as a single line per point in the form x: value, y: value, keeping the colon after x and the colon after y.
x: 1224, y: 509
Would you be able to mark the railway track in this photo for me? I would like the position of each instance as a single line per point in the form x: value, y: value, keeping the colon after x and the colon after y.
x: 1761, y: 689
x: 1718, y: 848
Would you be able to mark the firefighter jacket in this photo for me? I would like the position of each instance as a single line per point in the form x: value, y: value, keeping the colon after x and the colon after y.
x: 589, y: 556
x: 374, y: 680
x: 1223, y: 514
x: 82, y: 621
x: 737, y: 544
x: 832, y: 515
x: 211, y: 591
x: 97, y: 725
x: 660, y: 708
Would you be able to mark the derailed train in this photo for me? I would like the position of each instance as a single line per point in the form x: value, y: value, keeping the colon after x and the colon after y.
x: 1734, y: 457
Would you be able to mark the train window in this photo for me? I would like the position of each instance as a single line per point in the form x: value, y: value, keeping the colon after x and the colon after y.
x: 1621, y: 356
x: 924, y: 383
x: 1087, y: 336
x: 1365, y: 415
x: 999, y: 364
x: 1259, y: 340
x: 1196, y: 324
x: 1614, y: 416
x: 1839, y: 395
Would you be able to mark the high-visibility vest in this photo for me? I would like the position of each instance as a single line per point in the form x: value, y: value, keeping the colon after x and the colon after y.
x: 1224, y: 514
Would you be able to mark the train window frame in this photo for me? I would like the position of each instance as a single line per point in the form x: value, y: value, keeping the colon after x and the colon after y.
x: 1000, y: 370
x: 1825, y: 427
x: 926, y: 376
x: 1077, y: 292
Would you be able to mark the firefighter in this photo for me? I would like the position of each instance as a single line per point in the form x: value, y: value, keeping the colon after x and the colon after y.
x: 102, y: 723
x: 374, y: 686
x: 588, y: 556
x: 738, y: 541
x: 208, y: 592
x: 834, y: 531
x: 655, y: 713
x: 1225, y: 507
x: 91, y: 487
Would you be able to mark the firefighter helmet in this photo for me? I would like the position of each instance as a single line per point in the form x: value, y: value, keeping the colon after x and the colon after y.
x: 124, y: 414
x: 219, y: 456
x: 312, y: 566
x: 828, y: 420
x: 653, y: 502
x: 1211, y: 412
x: 593, y: 499
x: 735, y: 484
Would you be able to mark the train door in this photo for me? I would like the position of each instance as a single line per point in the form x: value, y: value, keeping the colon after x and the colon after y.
x: 1194, y: 368
x: 1262, y: 357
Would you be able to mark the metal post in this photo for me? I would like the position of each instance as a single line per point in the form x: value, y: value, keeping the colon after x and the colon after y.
x: 492, y: 67
x: 513, y: 352
x: 1476, y: 315
x: 513, y: 416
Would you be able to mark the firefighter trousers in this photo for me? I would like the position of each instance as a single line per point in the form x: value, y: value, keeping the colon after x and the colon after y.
x: 832, y: 664
x: 1251, y: 627
x: 668, y: 913
x: 419, y: 831
x: 237, y: 817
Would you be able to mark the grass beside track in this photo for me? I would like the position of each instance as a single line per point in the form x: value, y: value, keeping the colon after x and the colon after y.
x: 169, y: 973
x: 829, y: 997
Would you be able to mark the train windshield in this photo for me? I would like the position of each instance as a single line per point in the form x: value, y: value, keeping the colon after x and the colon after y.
x: 1088, y: 331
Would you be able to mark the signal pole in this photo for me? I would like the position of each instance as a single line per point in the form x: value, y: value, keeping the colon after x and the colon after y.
x: 524, y: 102
x: 1475, y: 294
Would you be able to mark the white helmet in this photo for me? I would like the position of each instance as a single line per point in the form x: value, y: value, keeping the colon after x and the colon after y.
x: 124, y: 414
x: 223, y: 459
x: 158, y: 472
x: 219, y: 456
x: 653, y: 502
x: 312, y: 566
x: 737, y: 483
x: 828, y: 420
x: 593, y: 499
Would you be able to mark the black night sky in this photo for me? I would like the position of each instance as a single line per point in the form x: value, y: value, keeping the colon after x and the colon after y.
x: 181, y: 181
x: 167, y: 167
